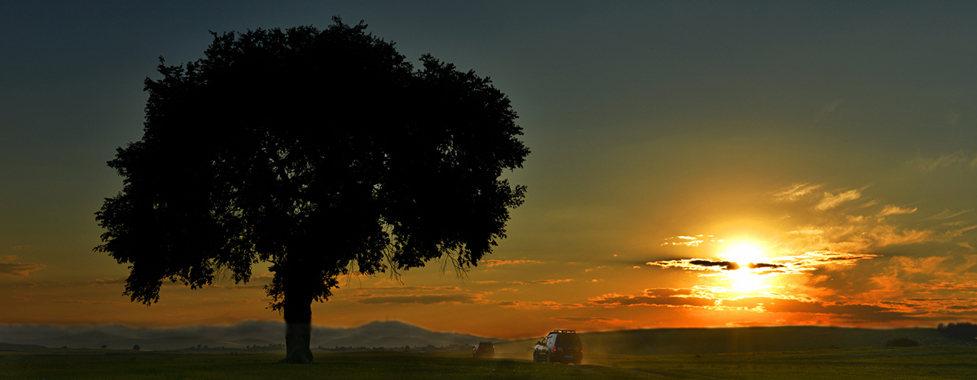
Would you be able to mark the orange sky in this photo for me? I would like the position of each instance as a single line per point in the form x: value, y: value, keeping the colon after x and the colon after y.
x: 833, y: 147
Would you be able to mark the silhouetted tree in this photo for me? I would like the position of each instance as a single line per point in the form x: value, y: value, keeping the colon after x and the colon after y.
x: 320, y: 152
x: 964, y: 331
x: 136, y: 347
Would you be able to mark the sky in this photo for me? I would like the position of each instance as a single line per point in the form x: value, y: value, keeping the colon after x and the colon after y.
x: 694, y: 163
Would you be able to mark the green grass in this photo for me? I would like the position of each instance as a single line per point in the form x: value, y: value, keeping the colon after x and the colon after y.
x: 860, y: 363
x: 838, y: 364
x: 95, y: 364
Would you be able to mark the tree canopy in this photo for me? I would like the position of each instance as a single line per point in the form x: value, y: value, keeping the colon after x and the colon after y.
x: 320, y: 152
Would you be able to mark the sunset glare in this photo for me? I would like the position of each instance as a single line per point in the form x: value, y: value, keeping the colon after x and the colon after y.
x: 743, y: 254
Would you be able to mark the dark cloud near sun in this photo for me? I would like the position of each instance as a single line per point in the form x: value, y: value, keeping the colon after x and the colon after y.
x: 765, y: 265
x: 725, y: 265
x: 804, y: 262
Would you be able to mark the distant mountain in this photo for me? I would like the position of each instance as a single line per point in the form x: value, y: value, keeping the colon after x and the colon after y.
x: 373, y: 334
x: 388, y: 334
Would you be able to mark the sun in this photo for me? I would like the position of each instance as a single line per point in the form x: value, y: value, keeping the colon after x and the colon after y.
x: 744, y: 279
x: 743, y: 254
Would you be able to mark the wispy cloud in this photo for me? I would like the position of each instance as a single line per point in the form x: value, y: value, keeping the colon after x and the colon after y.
x: 946, y: 214
x: 420, y: 299
x: 592, y: 320
x: 495, y: 263
x: 690, y: 241
x: 544, y: 282
x: 896, y: 210
x: 959, y: 231
x: 617, y: 300
x: 830, y: 201
x: 959, y: 158
x: 827, y: 110
x: 795, y: 192
x: 537, y: 305
x: 9, y: 267
x: 107, y: 281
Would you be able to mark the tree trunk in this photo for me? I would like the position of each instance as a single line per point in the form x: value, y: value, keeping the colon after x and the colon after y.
x: 298, y: 325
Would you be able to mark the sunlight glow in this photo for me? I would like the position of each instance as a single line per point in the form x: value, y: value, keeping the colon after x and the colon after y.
x: 743, y: 254
x: 744, y: 279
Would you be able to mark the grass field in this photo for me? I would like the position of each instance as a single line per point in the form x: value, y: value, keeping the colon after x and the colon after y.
x: 862, y: 363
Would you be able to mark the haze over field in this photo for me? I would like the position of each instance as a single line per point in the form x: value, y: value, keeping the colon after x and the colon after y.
x: 694, y: 164
x: 389, y: 334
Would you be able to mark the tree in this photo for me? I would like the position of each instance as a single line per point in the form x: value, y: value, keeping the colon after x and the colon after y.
x: 319, y: 152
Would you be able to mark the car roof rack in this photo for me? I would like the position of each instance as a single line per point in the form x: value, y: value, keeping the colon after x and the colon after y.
x: 563, y: 332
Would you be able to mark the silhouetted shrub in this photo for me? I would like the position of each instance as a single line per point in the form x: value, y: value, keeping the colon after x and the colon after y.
x: 136, y: 347
x: 901, y: 342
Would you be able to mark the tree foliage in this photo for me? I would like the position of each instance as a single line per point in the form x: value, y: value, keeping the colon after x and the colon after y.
x: 321, y: 152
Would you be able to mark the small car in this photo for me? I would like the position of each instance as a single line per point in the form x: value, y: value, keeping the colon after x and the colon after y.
x: 561, y: 346
x: 483, y: 350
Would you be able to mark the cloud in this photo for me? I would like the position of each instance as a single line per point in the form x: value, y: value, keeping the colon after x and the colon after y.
x: 959, y: 231
x: 86, y: 302
x: 667, y: 292
x: 10, y: 268
x: 794, y: 192
x: 420, y: 299
x: 830, y: 201
x: 946, y: 214
x: 796, y: 264
x: 896, y: 210
x: 544, y: 282
x: 827, y: 110
x: 839, y: 259
x: 615, y: 300
x: 810, y: 261
x: 604, y: 320
x: 399, y: 291
x: 725, y: 265
x: 765, y: 266
x: 689, y: 241
x: 850, y: 312
x: 890, y: 235
x: 534, y: 305
x: 959, y: 158
x: 107, y: 281
x: 495, y: 263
